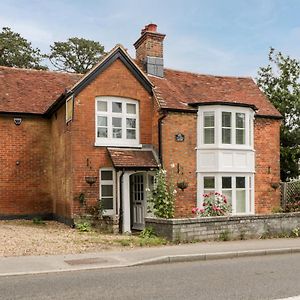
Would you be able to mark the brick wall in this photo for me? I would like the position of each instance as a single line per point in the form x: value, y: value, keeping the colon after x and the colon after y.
x: 25, y: 160
x: 87, y: 159
x: 267, y: 164
x: 61, y: 183
x: 183, y: 156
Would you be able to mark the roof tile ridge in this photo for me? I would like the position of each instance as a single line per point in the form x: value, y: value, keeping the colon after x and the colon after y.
x: 42, y: 71
x: 209, y: 75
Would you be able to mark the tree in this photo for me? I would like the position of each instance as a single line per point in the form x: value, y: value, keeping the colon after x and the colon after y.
x: 75, y: 55
x: 16, y: 51
x: 280, y: 81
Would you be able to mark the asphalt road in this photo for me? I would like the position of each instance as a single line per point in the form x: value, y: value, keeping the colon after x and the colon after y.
x: 268, y: 277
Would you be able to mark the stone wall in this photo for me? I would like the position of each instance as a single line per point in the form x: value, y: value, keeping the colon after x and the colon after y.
x: 223, y: 228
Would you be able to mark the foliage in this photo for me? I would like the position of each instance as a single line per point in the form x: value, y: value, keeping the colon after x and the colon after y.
x: 214, y: 204
x: 296, y: 232
x: 148, y: 232
x: 224, y: 236
x: 294, y: 203
x: 75, y: 55
x: 81, y: 198
x: 279, y: 80
x: 38, y: 221
x: 162, y: 196
x: 16, y: 51
x: 84, y: 226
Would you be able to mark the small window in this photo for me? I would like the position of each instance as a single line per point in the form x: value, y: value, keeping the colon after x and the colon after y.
x: 240, y: 128
x: 240, y: 194
x: 107, y: 194
x: 209, y: 184
x: 227, y: 188
x: 226, y: 127
x: 209, y: 128
x: 69, y: 109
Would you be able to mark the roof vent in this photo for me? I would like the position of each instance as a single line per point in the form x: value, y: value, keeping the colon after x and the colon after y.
x: 154, y: 66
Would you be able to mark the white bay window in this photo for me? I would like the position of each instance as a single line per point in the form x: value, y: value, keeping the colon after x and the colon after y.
x: 117, y: 122
x: 236, y: 188
x: 225, y: 155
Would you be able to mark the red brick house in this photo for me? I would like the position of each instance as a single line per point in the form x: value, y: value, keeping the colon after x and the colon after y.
x: 66, y: 138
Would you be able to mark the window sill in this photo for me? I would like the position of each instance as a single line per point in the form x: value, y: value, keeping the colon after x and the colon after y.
x: 121, y: 144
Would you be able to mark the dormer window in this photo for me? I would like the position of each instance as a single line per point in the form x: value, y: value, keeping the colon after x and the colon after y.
x: 117, y: 122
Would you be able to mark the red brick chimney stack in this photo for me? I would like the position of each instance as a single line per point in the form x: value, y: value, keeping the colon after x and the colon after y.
x: 150, y: 46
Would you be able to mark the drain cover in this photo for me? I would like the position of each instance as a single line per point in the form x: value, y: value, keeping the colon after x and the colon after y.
x: 86, y: 261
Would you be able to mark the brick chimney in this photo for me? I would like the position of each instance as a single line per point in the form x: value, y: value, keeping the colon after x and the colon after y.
x: 149, y: 50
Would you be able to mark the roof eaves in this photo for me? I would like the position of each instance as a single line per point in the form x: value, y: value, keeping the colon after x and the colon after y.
x: 224, y: 103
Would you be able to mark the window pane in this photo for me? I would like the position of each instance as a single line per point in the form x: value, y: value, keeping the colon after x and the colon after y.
x: 241, y: 201
x: 106, y: 175
x: 209, y: 182
x: 228, y: 195
x: 107, y: 203
x: 117, y: 122
x: 130, y: 123
x: 101, y: 132
x: 209, y: 120
x: 107, y: 190
x: 240, y: 120
x: 131, y: 108
x: 226, y: 135
x: 102, y: 121
x: 240, y: 182
x: 209, y: 135
x: 226, y: 182
x: 131, y: 134
x: 117, y: 133
x: 117, y: 107
x: 240, y: 136
x: 101, y: 105
x: 226, y: 119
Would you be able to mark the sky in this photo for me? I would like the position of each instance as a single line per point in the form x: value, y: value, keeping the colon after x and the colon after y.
x: 221, y: 37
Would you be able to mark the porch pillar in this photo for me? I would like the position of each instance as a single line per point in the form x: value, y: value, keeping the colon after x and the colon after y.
x: 126, y: 202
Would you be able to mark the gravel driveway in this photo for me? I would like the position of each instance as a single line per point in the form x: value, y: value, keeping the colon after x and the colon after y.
x: 26, y: 238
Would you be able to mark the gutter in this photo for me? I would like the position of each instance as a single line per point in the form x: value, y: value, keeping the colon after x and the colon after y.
x: 160, y: 120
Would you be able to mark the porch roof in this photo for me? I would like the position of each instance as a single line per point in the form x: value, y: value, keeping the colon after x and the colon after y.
x: 132, y: 158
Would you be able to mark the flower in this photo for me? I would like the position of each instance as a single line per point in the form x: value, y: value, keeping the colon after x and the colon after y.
x: 194, y: 210
x: 172, y: 165
x: 147, y: 189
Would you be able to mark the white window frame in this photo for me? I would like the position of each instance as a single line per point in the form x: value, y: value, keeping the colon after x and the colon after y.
x: 210, y: 114
x: 68, y: 119
x: 108, y: 212
x: 249, y: 187
x: 217, y: 110
x: 110, y: 141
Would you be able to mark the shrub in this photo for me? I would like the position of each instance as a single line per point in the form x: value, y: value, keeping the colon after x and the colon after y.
x: 84, y: 226
x: 294, y: 203
x: 214, y: 204
x: 163, y: 195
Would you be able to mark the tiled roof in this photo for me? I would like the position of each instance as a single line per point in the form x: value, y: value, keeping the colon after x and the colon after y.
x: 32, y: 91
x: 177, y: 89
x: 129, y: 158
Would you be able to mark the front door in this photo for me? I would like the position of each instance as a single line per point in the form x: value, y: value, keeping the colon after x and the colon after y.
x: 138, y: 201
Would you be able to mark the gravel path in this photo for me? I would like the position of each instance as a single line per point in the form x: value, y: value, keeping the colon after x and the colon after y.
x: 26, y: 238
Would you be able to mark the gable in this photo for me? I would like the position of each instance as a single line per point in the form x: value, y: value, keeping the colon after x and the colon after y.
x: 116, y: 54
